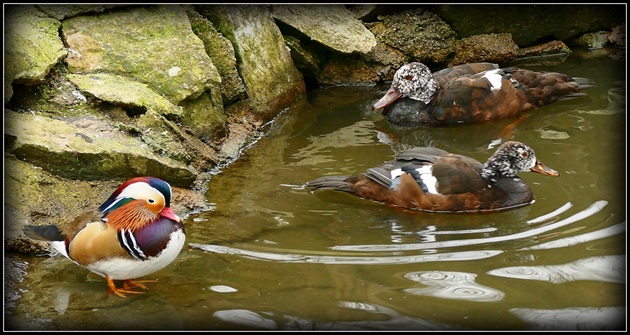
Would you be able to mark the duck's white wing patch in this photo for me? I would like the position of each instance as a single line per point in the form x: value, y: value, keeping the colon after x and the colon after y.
x: 395, y: 175
x: 495, y: 78
x: 423, y: 174
x: 426, y: 175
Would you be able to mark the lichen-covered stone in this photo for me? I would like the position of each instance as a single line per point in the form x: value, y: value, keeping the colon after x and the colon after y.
x: 166, y: 138
x: 92, y: 151
x: 418, y: 33
x: 305, y: 60
x: 340, y: 71
x: 361, y: 11
x: 596, y: 40
x: 331, y: 25
x: 222, y: 54
x: 122, y: 90
x: 152, y: 44
x: 272, y: 80
x: 550, y: 48
x: 60, y: 12
x: 529, y: 24
x: 31, y: 46
x: 618, y: 35
x: 204, y: 116
x: 243, y: 130
x: 485, y: 48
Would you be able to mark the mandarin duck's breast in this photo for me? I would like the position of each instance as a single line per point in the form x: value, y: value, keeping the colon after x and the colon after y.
x: 154, y: 238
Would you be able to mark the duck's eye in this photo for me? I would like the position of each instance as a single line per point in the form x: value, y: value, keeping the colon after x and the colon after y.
x: 409, y: 77
x: 524, y: 154
x: 151, y: 201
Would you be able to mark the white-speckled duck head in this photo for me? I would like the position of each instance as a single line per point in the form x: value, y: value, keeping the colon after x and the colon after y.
x: 413, y: 80
x: 511, y: 158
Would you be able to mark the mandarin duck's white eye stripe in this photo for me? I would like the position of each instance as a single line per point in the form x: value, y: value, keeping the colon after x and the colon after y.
x: 138, y: 190
x: 129, y: 243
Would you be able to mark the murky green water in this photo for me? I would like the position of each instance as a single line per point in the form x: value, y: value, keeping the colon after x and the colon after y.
x: 271, y: 255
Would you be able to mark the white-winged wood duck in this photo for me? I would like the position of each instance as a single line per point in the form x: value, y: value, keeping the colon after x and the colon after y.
x: 433, y: 180
x: 471, y: 93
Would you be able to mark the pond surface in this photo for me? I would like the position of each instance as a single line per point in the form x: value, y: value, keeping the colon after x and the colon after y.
x: 272, y: 255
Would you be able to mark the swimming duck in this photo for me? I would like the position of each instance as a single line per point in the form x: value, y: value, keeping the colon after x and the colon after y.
x: 132, y: 234
x: 471, y: 93
x: 434, y: 180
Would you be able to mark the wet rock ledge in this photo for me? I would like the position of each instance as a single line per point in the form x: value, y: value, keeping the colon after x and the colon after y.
x: 96, y: 94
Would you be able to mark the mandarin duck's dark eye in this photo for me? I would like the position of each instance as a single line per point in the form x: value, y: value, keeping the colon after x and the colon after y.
x: 151, y: 201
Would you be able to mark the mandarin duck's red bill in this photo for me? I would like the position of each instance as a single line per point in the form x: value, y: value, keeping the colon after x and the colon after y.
x: 471, y: 93
x: 132, y: 234
x: 433, y: 180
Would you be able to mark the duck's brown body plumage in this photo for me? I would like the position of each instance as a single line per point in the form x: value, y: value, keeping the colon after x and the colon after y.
x: 471, y: 93
x: 434, y: 180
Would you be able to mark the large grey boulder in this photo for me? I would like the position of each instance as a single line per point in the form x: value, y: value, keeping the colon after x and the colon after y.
x: 272, y: 80
x: 87, y: 149
x: 531, y: 24
x: 154, y: 45
x: 331, y: 25
x: 32, y: 46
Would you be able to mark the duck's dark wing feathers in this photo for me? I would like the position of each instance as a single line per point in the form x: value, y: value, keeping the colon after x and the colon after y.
x: 548, y: 87
x: 458, y: 174
x: 381, y: 175
x: 454, y: 173
x: 423, y: 154
x: 44, y: 233
x: 448, y: 74
x: 338, y: 183
x: 472, y: 98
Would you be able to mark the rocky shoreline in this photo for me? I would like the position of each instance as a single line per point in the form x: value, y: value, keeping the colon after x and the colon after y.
x: 95, y: 94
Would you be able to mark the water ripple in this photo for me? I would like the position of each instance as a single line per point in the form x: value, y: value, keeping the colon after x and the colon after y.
x: 452, y: 285
x: 558, y: 211
x: 568, y: 241
x: 601, y: 268
x: 591, y: 210
x: 325, y: 259
x: 245, y: 317
x: 390, y: 320
x: 574, y: 318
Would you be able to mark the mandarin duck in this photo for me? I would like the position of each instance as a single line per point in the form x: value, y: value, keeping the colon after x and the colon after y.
x: 471, y: 93
x: 434, y: 180
x: 132, y: 234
